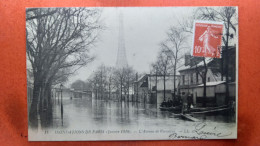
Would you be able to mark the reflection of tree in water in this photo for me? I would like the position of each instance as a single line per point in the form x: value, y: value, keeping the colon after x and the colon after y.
x: 99, y: 111
x: 124, y: 113
x: 102, y: 114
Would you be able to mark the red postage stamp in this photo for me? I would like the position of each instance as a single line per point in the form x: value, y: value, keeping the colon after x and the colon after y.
x: 207, y: 39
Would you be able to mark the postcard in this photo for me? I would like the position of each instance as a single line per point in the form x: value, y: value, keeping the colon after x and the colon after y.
x: 132, y: 73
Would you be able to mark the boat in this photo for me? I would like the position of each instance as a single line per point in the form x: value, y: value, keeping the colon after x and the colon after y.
x: 189, y: 117
x: 200, y: 109
x: 211, y: 110
x: 175, y: 108
x: 171, y: 108
x: 164, y: 108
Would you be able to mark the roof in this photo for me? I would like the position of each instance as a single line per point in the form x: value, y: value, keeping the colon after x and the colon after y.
x: 141, y: 78
x: 207, y: 60
x: 212, y: 83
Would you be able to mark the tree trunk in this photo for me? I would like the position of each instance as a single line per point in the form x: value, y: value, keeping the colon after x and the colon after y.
x: 174, y: 75
x: 222, y: 66
x: 34, y: 105
x: 164, y: 88
x: 41, y: 96
x: 46, y: 111
x: 136, y: 87
x: 174, y: 82
x: 156, y: 87
x: 128, y: 90
x: 204, y: 79
x: 101, y: 85
x: 227, y: 100
x: 121, y: 90
x: 204, y: 93
x: 109, y: 94
x: 49, y: 104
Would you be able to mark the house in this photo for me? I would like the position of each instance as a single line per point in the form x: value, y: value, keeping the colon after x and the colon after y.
x: 215, y: 92
x: 150, y: 88
x: 191, y: 80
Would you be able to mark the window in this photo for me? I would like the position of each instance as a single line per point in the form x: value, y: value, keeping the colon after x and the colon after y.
x: 186, y: 79
x: 183, y: 79
x: 191, y: 78
x: 197, y: 77
x: 208, y: 79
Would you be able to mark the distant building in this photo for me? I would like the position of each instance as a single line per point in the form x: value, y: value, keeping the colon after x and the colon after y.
x: 148, y: 90
x: 81, y: 94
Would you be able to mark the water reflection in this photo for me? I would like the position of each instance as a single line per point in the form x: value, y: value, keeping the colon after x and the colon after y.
x: 84, y: 112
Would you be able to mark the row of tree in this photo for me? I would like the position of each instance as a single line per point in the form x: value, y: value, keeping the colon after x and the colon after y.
x: 58, y: 41
x: 106, y: 82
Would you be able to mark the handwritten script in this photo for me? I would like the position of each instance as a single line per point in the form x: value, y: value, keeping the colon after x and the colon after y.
x: 200, y: 131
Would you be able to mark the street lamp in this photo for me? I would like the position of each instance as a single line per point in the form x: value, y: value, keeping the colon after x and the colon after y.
x: 61, y: 91
x: 61, y: 107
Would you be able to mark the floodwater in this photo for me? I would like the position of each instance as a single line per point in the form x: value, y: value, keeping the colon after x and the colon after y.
x: 84, y: 112
x: 100, y: 114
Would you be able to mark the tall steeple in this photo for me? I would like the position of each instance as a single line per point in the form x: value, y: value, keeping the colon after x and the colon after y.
x: 121, y: 52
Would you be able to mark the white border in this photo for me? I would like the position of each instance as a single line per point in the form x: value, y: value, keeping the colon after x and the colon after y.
x: 237, y: 46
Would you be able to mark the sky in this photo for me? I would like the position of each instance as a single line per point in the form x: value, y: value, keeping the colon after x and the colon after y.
x: 144, y: 29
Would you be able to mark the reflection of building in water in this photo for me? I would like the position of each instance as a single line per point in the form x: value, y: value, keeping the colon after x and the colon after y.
x: 150, y: 88
x: 191, y: 81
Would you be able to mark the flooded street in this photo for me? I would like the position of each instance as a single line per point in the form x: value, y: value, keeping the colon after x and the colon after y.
x: 108, y: 74
x: 100, y: 118
x: 86, y: 113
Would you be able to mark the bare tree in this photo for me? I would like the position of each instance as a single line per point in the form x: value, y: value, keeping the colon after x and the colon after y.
x: 94, y: 82
x: 30, y: 15
x: 104, y: 80
x: 102, y: 75
x: 58, y: 41
x: 130, y: 77
x: 109, y: 81
x: 227, y: 15
x: 120, y: 78
x: 155, y: 70
x: 163, y: 67
x: 223, y: 14
x: 202, y: 70
x: 175, y: 46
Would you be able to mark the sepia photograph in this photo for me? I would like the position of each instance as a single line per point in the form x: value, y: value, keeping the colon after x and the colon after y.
x: 132, y: 73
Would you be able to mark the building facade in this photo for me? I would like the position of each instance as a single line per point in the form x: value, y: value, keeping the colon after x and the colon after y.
x: 152, y: 88
x: 191, y: 82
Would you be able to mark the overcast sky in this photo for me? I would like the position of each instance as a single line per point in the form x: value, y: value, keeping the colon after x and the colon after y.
x: 144, y: 29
